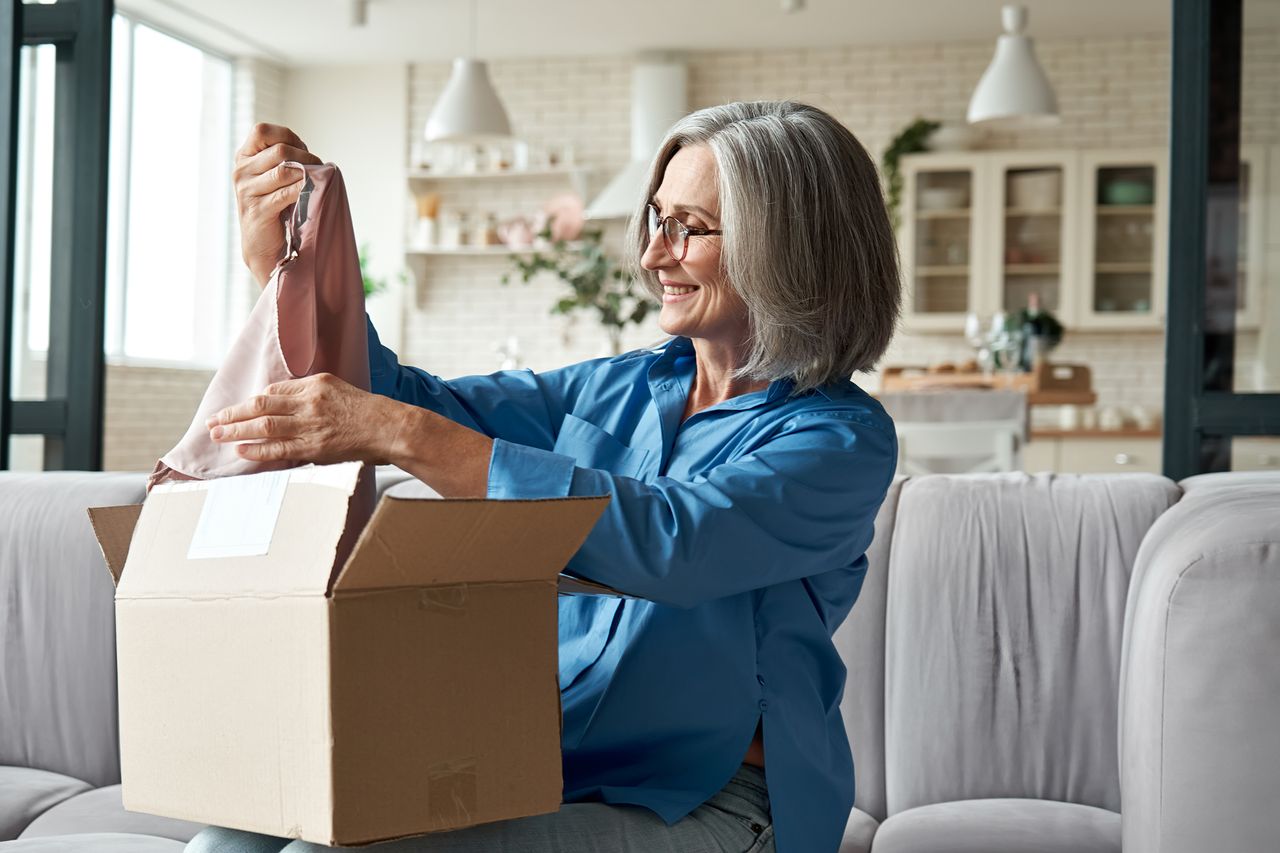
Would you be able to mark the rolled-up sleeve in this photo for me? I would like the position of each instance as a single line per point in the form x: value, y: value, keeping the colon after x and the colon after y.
x: 800, y: 504
x: 517, y: 405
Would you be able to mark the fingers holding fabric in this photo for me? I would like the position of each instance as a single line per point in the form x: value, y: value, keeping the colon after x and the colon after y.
x: 263, y: 135
x: 319, y: 418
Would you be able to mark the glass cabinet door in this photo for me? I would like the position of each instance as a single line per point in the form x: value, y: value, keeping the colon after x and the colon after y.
x: 1124, y: 243
x: 1251, y: 269
x: 938, y: 242
x: 1035, y: 258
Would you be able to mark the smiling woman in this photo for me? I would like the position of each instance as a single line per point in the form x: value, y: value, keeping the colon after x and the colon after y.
x: 744, y: 469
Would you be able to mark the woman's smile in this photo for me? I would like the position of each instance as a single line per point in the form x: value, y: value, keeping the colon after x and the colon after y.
x: 672, y: 292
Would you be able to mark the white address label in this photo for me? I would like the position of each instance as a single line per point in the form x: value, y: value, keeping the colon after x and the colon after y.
x: 239, y: 516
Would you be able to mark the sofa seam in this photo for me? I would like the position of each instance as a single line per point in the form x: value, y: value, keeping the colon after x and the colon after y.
x: 1164, y: 682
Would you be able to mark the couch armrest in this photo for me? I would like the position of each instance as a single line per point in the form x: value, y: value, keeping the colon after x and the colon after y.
x: 1200, y: 677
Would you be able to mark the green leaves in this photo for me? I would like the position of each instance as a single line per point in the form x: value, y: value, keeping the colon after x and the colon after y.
x: 913, y: 138
x: 596, y: 281
x: 373, y: 284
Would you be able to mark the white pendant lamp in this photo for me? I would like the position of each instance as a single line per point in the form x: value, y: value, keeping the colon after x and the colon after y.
x: 469, y: 109
x: 1014, y: 87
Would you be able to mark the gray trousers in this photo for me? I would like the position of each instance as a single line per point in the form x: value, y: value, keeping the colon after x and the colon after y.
x: 735, y: 820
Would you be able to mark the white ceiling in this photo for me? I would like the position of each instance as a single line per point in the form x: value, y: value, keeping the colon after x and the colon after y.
x: 308, y: 32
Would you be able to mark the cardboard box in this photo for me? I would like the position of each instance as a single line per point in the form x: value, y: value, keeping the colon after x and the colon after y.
x: 290, y: 688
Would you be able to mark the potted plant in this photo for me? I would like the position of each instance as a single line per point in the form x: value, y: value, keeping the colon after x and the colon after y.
x: 596, y: 281
x: 913, y: 138
x: 373, y: 284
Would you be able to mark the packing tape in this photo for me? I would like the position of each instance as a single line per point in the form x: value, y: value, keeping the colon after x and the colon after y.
x: 449, y: 600
x: 451, y: 792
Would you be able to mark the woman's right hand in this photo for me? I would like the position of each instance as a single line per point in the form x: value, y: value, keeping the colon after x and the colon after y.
x: 263, y: 188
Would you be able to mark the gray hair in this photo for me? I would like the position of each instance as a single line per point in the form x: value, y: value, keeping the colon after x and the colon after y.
x: 807, y: 240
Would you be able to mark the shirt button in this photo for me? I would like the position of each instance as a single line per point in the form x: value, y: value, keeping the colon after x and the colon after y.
x: 764, y: 704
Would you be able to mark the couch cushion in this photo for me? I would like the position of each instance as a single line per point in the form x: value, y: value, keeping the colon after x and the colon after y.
x: 25, y: 794
x: 1000, y: 826
x: 1003, y: 631
x: 860, y: 642
x: 57, y: 635
x: 101, y: 810
x: 858, y: 832
x: 1201, y: 675
x: 96, y: 842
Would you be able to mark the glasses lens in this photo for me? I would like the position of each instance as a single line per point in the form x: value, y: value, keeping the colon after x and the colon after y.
x: 674, y: 234
x: 652, y: 213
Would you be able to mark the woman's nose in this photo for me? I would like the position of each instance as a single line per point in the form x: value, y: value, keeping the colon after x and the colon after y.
x: 655, y: 254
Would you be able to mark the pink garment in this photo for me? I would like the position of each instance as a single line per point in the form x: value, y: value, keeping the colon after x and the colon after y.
x: 309, y: 319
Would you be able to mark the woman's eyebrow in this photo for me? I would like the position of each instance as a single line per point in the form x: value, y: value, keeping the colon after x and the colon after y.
x: 690, y: 208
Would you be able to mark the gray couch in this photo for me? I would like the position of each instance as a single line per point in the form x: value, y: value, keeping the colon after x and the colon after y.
x: 1028, y: 654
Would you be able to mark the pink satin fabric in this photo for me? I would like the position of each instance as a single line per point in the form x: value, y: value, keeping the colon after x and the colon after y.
x: 309, y: 319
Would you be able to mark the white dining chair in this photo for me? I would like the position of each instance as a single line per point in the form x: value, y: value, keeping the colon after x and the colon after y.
x: 962, y: 447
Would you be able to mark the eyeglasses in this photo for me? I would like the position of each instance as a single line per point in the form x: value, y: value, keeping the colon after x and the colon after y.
x: 675, y: 234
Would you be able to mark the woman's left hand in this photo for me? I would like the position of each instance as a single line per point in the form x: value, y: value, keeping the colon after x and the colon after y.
x: 318, y: 418
x: 323, y: 419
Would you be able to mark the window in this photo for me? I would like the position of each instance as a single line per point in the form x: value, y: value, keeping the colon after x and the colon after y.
x: 170, y: 211
x: 169, y: 202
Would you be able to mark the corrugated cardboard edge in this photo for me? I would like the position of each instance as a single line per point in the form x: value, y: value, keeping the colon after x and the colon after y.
x: 113, y: 528
x: 570, y: 585
x: 372, y: 539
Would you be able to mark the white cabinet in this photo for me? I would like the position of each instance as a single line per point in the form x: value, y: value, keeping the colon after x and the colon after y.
x: 1097, y: 453
x: 1086, y: 231
x: 1253, y: 270
x: 943, y: 197
x: 1124, y: 239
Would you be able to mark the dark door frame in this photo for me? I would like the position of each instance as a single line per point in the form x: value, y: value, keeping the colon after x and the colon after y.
x: 70, y: 418
x: 1202, y: 412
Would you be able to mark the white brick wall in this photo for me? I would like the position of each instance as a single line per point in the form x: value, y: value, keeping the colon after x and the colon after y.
x: 1113, y: 92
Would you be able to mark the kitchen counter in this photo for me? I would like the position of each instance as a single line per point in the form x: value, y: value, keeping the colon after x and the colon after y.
x: 1126, y: 432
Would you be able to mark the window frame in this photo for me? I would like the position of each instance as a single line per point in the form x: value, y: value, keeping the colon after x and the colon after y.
x: 1202, y: 411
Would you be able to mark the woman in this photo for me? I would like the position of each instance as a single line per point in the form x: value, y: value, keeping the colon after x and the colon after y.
x: 745, y: 471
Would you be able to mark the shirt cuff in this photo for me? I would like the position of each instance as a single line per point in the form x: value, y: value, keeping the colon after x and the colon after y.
x: 517, y: 471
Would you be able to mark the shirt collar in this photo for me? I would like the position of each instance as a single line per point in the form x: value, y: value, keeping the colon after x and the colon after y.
x: 665, y: 370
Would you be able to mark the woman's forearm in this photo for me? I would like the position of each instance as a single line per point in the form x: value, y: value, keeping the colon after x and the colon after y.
x: 448, y: 457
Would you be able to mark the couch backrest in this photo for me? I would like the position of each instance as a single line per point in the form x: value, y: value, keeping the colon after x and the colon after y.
x: 860, y: 641
x: 1004, y: 618
x: 57, y: 624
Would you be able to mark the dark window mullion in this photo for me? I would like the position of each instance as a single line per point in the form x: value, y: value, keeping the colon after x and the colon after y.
x: 10, y: 74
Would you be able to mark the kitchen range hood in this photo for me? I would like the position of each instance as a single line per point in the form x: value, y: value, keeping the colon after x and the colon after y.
x: 659, y: 98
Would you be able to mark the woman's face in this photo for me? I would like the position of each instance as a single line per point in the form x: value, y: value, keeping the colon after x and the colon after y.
x: 697, y: 300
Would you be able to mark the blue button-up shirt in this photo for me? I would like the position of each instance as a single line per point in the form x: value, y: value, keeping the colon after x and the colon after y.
x: 743, y: 529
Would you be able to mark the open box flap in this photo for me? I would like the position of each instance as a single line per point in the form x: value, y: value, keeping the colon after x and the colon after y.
x: 301, y: 546
x: 570, y: 585
x: 417, y: 542
x: 113, y: 527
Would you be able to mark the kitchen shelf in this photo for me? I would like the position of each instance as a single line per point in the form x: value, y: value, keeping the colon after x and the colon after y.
x: 555, y: 171
x: 479, y: 251
x: 1125, y: 209
x: 947, y: 213
x: 1122, y: 267
x: 1031, y: 269
x: 467, y: 251
x: 1032, y: 211
x: 956, y: 270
